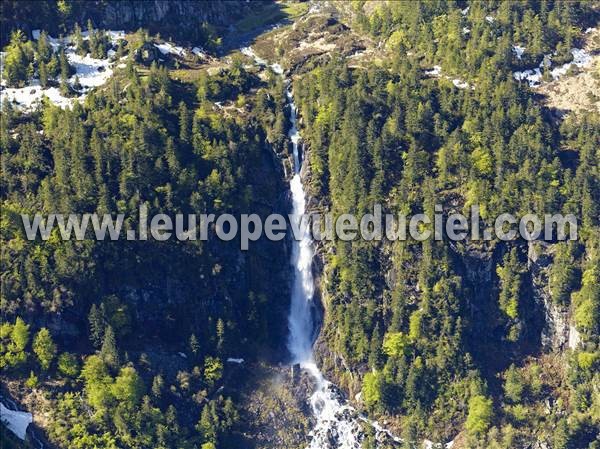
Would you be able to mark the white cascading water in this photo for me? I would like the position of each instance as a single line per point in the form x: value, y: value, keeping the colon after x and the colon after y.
x: 336, y: 422
x: 338, y: 425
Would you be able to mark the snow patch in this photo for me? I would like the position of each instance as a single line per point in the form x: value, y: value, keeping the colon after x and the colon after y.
x: 234, y: 360
x: 116, y: 35
x: 28, y: 97
x: 532, y: 76
x: 91, y: 73
x: 518, y: 51
x: 16, y: 422
x: 250, y: 53
x: 277, y: 68
x: 314, y: 8
x: 436, y: 71
x: 168, y: 48
x: 260, y: 61
x: 490, y: 19
x: 199, y: 52
x: 581, y: 58
x: 466, y: 30
x: 460, y: 83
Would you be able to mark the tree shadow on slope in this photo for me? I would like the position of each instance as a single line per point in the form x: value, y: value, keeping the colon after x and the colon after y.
x: 487, y: 331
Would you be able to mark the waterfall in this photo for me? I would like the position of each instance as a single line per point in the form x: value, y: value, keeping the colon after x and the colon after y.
x: 331, y: 430
x: 300, y: 319
x: 338, y: 424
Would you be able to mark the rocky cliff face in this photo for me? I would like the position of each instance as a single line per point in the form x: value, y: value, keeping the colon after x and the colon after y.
x: 132, y: 14
x: 558, y: 333
x: 177, y: 18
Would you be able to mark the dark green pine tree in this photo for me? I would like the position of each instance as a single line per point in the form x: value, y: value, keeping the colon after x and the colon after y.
x: 184, y: 123
x: 97, y: 322
x: 109, y: 351
x: 64, y: 73
x: 194, y: 346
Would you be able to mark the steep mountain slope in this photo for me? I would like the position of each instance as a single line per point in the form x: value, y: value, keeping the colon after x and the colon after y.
x: 138, y: 343
x: 186, y: 20
x: 495, y: 342
x: 470, y: 344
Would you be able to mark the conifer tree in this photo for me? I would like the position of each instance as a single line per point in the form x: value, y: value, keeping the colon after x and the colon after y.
x: 109, y: 351
x: 97, y: 322
x: 44, y: 348
x: 43, y: 71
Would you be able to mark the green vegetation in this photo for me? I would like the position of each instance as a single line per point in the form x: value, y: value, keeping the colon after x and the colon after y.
x: 122, y: 311
x: 425, y: 326
x: 480, y: 415
x: 25, y: 59
x: 44, y: 348
x: 129, y: 341
x: 270, y: 13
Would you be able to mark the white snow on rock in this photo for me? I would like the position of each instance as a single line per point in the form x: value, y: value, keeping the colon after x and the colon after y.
x: 91, y: 73
x: 168, y: 48
x: 466, y: 30
x: 116, y: 35
x: 28, y: 97
x: 260, y: 61
x: 250, y: 53
x: 428, y: 444
x: 314, y: 8
x: 465, y: 11
x: 518, y: 51
x: 199, y: 52
x: 532, y: 76
x: 490, y: 19
x: 460, y: 83
x: 436, y: 71
x: 277, y: 68
x: 590, y: 30
x: 54, y: 43
x: 234, y: 360
x: 581, y: 58
x: 16, y: 422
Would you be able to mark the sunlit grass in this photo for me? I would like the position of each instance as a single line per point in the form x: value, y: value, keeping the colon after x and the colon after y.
x: 272, y: 13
